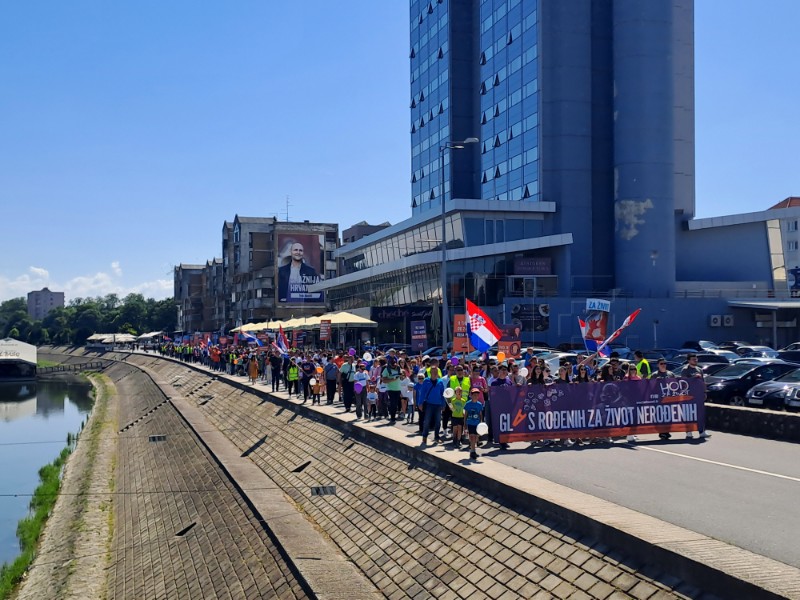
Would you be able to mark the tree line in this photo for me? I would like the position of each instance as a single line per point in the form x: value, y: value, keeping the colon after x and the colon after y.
x: 82, y: 317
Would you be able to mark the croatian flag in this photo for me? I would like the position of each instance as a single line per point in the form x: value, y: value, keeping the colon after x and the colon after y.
x: 483, y: 333
x: 281, y: 342
x: 251, y: 338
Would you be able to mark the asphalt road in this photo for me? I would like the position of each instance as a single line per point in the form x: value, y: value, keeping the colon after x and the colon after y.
x: 741, y: 490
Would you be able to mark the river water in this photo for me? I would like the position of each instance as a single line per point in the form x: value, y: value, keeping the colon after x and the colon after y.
x: 35, y: 418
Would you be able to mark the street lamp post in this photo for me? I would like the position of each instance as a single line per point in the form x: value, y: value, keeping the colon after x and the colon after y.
x: 445, y: 308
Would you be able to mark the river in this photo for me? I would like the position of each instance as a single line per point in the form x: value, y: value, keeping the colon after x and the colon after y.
x: 34, y: 421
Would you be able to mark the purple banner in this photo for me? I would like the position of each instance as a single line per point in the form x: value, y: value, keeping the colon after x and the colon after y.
x: 603, y: 409
x: 419, y: 335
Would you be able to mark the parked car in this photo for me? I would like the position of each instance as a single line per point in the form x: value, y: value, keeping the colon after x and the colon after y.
x: 624, y: 352
x: 432, y: 352
x: 750, y: 351
x: 792, y: 346
x: 653, y: 355
x: 712, y: 368
x: 733, y: 345
x: 730, y: 385
x: 398, y: 347
x: 792, y: 356
x: 702, y: 357
x: 777, y: 394
x: 726, y: 353
x: 554, y: 359
x: 698, y: 345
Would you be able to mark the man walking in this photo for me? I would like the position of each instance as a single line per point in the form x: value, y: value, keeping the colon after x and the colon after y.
x: 692, y: 370
x: 331, y: 372
x: 433, y: 401
x: 347, y: 375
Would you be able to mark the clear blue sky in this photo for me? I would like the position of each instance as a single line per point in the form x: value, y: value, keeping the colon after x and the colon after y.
x: 129, y: 131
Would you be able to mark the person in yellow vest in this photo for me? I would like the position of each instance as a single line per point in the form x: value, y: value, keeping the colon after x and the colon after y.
x: 293, y: 378
x: 457, y: 381
x: 434, y: 364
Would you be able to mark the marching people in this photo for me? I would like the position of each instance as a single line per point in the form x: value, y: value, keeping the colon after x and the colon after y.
x: 692, y: 370
x: 433, y: 402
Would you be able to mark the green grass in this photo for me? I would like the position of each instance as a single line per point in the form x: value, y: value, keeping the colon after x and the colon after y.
x: 30, y: 528
x: 46, y: 363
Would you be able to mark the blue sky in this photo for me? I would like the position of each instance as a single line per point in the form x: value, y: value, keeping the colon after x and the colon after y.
x: 129, y: 131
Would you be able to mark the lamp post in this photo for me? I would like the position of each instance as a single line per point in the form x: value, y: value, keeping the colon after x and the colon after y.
x: 445, y: 308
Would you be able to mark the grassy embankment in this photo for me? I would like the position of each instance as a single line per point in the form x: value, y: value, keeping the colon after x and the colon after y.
x: 30, y: 528
x: 46, y: 363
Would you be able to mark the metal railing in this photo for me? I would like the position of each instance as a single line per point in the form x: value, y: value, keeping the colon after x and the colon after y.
x: 73, y: 367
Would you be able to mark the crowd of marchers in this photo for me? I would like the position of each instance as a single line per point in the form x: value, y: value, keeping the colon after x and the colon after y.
x: 448, y: 398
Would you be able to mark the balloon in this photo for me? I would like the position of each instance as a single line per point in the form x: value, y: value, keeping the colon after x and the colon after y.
x: 312, y: 381
x: 482, y: 429
x: 524, y: 371
x: 449, y: 393
x: 454, y: 361
x: 352, y: 352
x: 319, y: 369
x: 367, y: 356
x: 358, y: 387
x: 501, y: 356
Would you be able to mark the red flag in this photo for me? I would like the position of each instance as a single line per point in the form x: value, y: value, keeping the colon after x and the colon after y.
x: 630, y: 319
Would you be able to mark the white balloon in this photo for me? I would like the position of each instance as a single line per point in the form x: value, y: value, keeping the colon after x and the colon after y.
x: 449, y: 393
x: 367, y: 356
x: 482, y: 429
x: 312, y: 381
x: 524, y: 371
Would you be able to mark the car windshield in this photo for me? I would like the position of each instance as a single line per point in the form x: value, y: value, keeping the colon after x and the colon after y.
x: 727, y: 354
x: 733, y: 371
x: 790, y: 377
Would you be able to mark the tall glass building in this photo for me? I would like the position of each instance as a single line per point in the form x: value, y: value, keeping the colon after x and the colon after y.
x: 583, y: 172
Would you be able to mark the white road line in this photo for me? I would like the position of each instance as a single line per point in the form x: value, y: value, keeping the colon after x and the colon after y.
x: 722, y: 464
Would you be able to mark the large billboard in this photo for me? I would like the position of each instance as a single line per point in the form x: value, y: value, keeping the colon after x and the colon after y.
x: 300, y: 263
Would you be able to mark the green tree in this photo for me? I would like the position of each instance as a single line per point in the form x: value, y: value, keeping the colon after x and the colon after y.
x: 14, y: 333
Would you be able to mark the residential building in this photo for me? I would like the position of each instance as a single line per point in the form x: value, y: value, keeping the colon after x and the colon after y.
x: 256, y: 278
x: 41, y: 302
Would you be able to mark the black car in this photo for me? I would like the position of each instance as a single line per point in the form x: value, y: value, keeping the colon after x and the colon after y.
x: 731, y: 384
x: 777, y: 394
x: 698, y: 345
x: 712, y: 368
x: 702, y: 357
x: 792, y: 356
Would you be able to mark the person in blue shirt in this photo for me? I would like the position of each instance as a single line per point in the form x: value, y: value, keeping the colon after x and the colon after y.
x: 433, y: 402
x: 420, y: 379
x: 472, y: 411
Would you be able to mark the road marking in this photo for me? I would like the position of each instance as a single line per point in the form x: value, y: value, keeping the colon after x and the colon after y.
x: 722, y: 464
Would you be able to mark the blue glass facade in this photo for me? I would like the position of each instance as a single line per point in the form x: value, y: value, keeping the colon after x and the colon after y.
x: 509, y: 100
x: 474, y: 73
x: 430, y: 97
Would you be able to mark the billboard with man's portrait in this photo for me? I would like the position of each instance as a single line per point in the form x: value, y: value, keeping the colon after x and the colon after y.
x: 300, y: 262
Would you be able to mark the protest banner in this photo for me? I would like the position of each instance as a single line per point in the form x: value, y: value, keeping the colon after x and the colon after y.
x: 603, y: 409
x: 460, y: 338
x: 419, y: 336
x: 325, y: 330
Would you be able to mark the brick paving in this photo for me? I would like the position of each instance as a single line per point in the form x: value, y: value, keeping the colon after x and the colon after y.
x: 164, y: 487
x: 414, y: 532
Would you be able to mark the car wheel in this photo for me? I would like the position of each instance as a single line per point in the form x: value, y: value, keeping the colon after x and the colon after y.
x: 737, y: 401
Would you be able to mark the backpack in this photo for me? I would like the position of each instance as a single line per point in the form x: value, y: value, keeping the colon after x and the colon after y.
x: 331, y: 371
